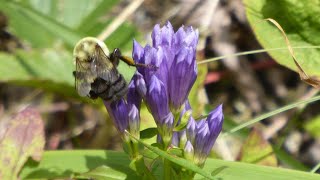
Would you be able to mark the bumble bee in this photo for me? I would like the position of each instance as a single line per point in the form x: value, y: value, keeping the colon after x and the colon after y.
x: 96, y: 74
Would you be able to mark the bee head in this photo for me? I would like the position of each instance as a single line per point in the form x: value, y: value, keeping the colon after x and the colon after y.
x: 86, y: 48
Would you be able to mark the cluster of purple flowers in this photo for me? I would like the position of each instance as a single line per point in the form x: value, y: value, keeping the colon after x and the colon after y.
x: 165, y: 91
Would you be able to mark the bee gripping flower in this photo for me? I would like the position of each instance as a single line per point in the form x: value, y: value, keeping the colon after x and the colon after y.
x: 125, y: 112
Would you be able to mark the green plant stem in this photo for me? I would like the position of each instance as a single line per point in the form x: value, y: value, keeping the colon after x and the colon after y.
x: 167, y: 169
x: 313, y: 170
x: 269, y: 114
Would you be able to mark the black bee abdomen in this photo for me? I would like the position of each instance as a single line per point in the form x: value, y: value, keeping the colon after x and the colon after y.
x: 109, y: 90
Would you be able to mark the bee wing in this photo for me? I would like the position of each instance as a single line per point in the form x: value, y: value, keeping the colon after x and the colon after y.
x: 99, y: 66
x: 103, y: 67
x: 83, y: 79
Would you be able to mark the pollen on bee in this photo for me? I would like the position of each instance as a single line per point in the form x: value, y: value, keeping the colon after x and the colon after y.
x: 82, y: 55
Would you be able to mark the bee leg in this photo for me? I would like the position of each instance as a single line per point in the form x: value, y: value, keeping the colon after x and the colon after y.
x: 130, y: 62
x: 93, y: 95
x: 116, y: 55
x: 74, y: 74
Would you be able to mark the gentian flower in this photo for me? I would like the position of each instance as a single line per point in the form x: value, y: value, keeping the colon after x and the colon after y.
x: 179, y: 55
x: 165, y: 89
x: 202, y: 135
x: 175, y: 56
x: 157, y: 102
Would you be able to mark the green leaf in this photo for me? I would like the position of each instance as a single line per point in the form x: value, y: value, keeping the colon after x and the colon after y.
x: 300, y: 21
x: 49, y: 69
x: 104, y: 173
x: 148, y: 133
x: 236, y: 170
x: 64, y: 164
x: 21, y: 137
x: 35, y: 26
x: 257, y: 150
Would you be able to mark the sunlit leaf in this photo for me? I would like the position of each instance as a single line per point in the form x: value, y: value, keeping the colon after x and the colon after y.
x: 257, y: 150
x: 64, y: 164
x: 105, y: 173
x: 298, y: 20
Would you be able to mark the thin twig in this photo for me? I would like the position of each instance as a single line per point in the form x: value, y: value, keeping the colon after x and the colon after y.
x: 131, y: 8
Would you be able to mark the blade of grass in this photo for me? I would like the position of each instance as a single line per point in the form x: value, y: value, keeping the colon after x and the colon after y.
x: 255, y: 52
x: 131, y: 8
x: 269, y: 114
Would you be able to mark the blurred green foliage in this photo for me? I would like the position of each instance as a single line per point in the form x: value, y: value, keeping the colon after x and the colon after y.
x: 49, y: 30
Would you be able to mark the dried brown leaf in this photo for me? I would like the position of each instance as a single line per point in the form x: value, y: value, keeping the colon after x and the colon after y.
x: 23, y: 137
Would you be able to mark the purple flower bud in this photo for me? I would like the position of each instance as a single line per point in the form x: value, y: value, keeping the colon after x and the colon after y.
x: 162, y: 36
x: 175, y: 139
x: 137, y: 52
x: 118, y: 111
x: 203, y: 134
x: 185, y: 37
x: 191, y: 130
x: 166, y: 130
x: 140, y: 84
x: 157, y: 100
x: 133, y: 95
x: 183, y: 73
x: 134, y: 120
x: 188, y: 151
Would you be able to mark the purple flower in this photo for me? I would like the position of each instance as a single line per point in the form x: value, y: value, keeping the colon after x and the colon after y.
x: 203, y: 134
x: 183, y: 67
x: 175, y: 56
x: 118, y: 111
x: 165, y: 89
x: 157, y: 103
x: 183, y: 74
x: 157, y: 100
